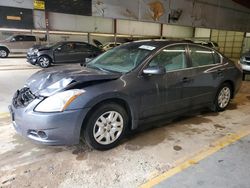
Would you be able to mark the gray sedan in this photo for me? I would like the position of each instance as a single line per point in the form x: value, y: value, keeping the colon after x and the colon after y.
x: 128, y: 86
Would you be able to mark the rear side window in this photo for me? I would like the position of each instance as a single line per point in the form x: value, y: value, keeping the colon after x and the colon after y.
x: 29, y: 38
x: 83, y: 47
x: 172, y: 58
x: 201, y: 56
x: 217, y: 58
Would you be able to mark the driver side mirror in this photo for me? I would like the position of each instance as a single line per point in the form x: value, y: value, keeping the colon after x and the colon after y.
x: 155, y: 70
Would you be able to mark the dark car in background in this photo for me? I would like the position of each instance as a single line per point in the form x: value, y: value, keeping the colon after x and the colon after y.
x: 128, y: 86
x: 62, y: 52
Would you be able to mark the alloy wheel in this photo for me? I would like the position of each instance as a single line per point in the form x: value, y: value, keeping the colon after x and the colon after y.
x: 3, y: 53
x: 224, y: 97
x: 44, y: 61
x: 108, y: 127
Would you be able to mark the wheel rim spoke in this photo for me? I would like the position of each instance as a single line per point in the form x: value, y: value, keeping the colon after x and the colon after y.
x: 99, y: 124
x: 107, y: 136
x: 111, y: 116
x: 99, y: 132
x: 112, y: 135
x: 115, y: 117
x: 100, y: 137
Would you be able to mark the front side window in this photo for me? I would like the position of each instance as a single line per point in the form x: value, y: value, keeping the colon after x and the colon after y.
x: 69, y: 47
x: 201, y: 56
x: 172, y: 58
x: 17, y: 38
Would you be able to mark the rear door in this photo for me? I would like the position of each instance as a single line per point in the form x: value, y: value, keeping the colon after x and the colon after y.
x: 83, y: 51
x: 204, y: 76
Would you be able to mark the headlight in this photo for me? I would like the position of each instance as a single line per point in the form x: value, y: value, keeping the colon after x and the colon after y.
x: 35, y: 51
x: 58, y: 102
x: 242, y: 59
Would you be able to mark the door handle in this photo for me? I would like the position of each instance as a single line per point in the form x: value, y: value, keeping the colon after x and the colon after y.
x: 219, y: 72
x: 186, y: 80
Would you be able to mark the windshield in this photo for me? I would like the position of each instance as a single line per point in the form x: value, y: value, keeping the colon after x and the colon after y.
x: 122, y: 59
x: 50, y: 45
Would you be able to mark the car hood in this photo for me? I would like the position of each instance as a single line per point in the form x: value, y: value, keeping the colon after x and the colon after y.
x: 42, y: 47
x: 49, y: 81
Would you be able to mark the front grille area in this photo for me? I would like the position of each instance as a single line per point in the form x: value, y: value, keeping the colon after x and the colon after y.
x: 23, y: 97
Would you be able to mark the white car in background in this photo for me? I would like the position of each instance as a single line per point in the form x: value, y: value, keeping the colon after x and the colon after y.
x: 110, y: 45
x: 210, y: 44
x: 18, y: 44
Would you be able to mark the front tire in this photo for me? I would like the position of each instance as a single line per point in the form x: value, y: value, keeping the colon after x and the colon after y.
x: 223, y: 97
x: 4, y: 53
x: 106, y: 126
x: 44, y: 61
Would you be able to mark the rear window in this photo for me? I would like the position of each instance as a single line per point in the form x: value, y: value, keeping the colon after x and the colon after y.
x: 201, y: 56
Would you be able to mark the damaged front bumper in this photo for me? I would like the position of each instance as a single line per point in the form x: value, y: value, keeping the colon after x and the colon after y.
x: 55, y: 128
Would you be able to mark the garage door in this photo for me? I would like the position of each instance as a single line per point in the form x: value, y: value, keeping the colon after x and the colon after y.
x: 230, y: 42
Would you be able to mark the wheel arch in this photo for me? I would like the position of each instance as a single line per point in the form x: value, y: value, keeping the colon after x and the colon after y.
x: 122, y: 102
x: 231, y: 83
x: 5, y: 48
x: 46, y: 55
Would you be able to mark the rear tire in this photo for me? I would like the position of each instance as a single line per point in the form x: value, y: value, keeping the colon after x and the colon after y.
x: 222, y: 98
x: 106, y: 126
x: 4, y: 53
x: 44, y: 61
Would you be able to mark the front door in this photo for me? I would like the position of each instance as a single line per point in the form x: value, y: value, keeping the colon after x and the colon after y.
x: 162, y: 94
x: 66, y: 53
x: 16, y: 44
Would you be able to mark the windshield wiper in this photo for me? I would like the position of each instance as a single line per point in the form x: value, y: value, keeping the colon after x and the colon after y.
x: 101, y: 68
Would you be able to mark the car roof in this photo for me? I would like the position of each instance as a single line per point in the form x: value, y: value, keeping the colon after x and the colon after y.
x: 161, y: 42
x: 23, y: 35
x: 65, y: 42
